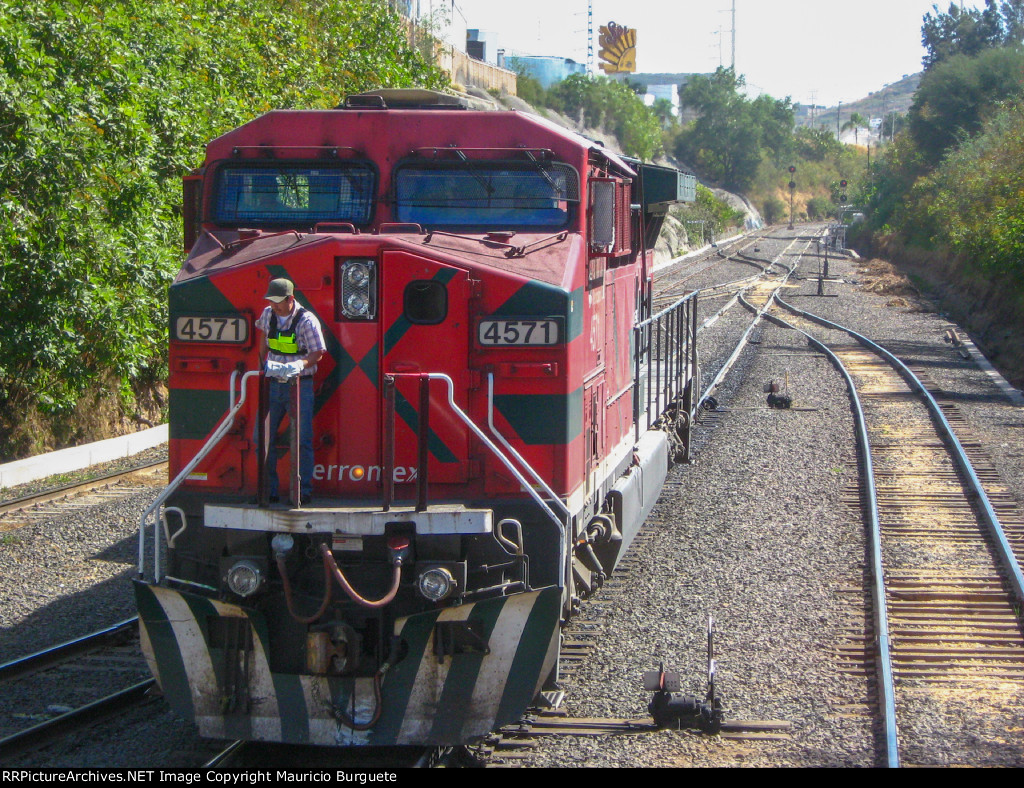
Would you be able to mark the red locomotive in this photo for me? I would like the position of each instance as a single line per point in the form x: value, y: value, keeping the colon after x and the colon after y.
x: 483, y: 429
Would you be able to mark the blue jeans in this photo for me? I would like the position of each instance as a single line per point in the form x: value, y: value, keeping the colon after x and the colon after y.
x: 277, y: 410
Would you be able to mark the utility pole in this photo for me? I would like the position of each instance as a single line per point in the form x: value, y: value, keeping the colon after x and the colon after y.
x: 839, y: 117
x: 590, y: 36
x: 734, y: 36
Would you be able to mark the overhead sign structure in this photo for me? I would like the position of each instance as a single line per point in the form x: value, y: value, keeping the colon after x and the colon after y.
x: 618, y: 49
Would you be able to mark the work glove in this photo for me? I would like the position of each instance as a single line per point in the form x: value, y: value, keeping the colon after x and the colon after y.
x: 282, y: 371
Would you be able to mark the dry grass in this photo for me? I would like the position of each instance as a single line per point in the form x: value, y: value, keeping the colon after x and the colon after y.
x: 882, y: 278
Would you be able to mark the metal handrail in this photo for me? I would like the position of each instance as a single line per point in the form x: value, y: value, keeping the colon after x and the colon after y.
x: 511, y: 450
x: 666, y: 377
x: 483, y: 437
x: 218, y: 435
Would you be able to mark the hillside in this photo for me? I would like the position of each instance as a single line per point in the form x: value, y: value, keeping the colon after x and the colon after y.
x: 896, y: 97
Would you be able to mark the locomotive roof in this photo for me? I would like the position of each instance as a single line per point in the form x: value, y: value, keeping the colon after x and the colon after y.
x: 363, y: 128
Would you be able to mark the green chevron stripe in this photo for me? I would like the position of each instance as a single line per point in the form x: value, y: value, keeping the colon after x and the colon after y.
x: 411, y: 416
x: 536, y: 299
x: 194, y: 413
x: 543, y: 419
x: 291, y: 706
x: 529, y: 659
x: 401, y: 679
x: 462, y: 676
x: 173, y: 676
x: 197, y: 295
x: 370, y: 365
x: 395, y: 332
x: 291, y: 703
x: 398, y: 329
x: 237, y: 722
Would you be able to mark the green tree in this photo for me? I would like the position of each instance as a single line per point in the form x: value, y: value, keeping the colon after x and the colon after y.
x: 612, y: 105
x: 954, y: 97
x: 977, y: 197
x: 102, y: 109
x: 1013, y: 21
x: 961, y: 31
x: 815, y: 144
x: 731, y: 133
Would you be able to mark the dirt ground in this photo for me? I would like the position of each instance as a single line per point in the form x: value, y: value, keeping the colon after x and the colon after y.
x: 994, y: 321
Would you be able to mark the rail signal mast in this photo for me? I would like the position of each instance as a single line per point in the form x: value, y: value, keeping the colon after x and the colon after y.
x: 792, y: 191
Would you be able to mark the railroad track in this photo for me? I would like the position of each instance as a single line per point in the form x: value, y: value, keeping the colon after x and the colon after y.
x: 77, y: 496
x: 948, y: 540
x: 580, y: 639
x: 60, y: 690
x: 672, y: 282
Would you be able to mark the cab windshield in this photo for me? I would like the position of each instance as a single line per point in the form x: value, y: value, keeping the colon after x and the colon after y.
x: 486, y: 195
x: 288, y: 194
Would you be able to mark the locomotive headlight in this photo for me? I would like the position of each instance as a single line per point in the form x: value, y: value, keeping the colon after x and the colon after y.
x: 357, y: 274
x: 244, y: 578
x: 436, y: 584
x: 357, y: 289
x: 357, y: 305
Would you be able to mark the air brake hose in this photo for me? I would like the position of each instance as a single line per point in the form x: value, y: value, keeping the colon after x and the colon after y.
x: 283, y: 571
x: 378, y: 707
x: 585, y: 549
x: 332, y: 565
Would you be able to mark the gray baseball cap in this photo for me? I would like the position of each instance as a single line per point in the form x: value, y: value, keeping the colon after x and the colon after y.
x: 279, y: 289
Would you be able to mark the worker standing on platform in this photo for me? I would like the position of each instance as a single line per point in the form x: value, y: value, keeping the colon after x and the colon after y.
x: 294, y: 343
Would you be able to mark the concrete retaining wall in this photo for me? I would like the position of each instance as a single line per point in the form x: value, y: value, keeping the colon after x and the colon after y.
x: 74, y: 459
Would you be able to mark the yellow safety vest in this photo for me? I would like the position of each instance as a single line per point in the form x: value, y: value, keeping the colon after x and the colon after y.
x: 284, y: 341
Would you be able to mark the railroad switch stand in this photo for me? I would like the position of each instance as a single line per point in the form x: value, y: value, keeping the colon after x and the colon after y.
x: 778, y: 394
x: 672, y: 710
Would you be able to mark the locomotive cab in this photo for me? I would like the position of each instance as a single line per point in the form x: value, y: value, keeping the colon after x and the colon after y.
x: 479, y: 456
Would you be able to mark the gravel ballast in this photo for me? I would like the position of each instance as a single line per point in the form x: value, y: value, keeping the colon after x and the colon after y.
x: 754, y: 533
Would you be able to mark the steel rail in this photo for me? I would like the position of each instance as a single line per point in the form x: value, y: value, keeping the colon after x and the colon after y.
x: 987, y: 511
x: 75, y: 719
x: 746, y: 334
x: 48, y: 657
x: 226, y: 757
x: 883, y: 644
x: 668, y: 289
x: 63, y: 491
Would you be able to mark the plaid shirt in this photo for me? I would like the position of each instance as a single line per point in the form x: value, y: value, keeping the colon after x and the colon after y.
x: 308, y: 335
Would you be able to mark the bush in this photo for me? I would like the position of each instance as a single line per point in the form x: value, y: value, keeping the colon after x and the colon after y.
x: 602, y: 102
x: 714, y: 215
x: 818, y: 208
x: 976, y: 197
x: 102, y: 111
x: 774, y: 210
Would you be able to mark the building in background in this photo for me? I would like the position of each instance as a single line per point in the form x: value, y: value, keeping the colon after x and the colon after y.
x: 547, y: 70
x: 483, y: 46
x: 668, y: 92
x: 469, y: 55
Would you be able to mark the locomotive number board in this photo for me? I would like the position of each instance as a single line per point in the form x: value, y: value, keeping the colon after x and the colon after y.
x: 224, y: 329
x: 519, y: 332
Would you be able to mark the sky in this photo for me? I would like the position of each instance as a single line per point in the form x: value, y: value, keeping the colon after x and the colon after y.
x: 819, y: 52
